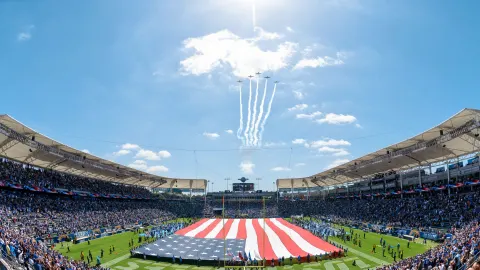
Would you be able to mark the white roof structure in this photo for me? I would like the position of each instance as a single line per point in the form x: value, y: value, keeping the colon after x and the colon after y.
x: 23, y: 144
x: 455, y: 137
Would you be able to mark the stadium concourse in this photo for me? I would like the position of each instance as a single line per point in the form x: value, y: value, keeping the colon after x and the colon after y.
x: 426, y: 187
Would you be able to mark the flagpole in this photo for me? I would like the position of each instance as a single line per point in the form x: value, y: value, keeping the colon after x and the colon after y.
x: 224, y: 235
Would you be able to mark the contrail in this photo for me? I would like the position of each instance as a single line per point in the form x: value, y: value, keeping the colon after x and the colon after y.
x: 260, y: 114
x: 240, y: 128
x: 268, y: 112
x: 252, y: 128
x: 247, y: 127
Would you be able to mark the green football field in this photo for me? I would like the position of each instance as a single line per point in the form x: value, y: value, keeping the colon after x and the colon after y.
x: 363, y: 256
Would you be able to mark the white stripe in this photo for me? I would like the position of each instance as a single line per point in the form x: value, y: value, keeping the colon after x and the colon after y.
x: 251, y: 244
x: 277, y: 245
x: 232, y: 233
x: 216, y: 230
x: 200, y: 228
x: 298, y: 239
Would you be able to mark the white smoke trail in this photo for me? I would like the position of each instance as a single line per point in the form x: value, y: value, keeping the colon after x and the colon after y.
x: 256, y: 141
x: 247, y: 127
x: 240, y: 128
x: 252, y: 128
x: 262, y: 127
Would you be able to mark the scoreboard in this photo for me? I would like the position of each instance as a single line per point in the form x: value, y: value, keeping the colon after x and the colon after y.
x: 243, y: 187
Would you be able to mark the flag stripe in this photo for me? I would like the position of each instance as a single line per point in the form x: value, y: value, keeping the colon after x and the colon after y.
x: 200, y: 228
x: 242, y: 229
x: 309, y: 237
x: 228, y: 224
x: 208, y: 229
x: 294, y: 239
x: 264, y: 246
x: 288, y: 242
x: 213, y: 233
x: 251, y: 244
x: 232, y: 233
x: 191, y: 227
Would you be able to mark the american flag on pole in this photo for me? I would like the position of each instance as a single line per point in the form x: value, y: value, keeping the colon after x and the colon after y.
x: 270, y: 238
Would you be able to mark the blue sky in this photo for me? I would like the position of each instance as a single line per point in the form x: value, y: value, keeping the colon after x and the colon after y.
x: 151, y: 84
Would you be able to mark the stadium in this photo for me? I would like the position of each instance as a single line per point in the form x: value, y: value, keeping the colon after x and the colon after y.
x: 232, y: 134
x: 364, y: 212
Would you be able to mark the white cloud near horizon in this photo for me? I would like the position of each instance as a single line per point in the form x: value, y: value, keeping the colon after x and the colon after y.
x: 321, y: 61
x: 151, y: 155
x: 247, y: 167
x: 86, y: 151
x: 298, y: 107
x: 121, y: 152
x: 211, y: 135
x: 142, y: 165
x: 300, y: 164
x: 157, y: 168
x: 308, y: 115
x: 336, y: 162
x: 130, y: 146
x: 280, y: 169
x: 334, y: 151
x: 299, y: 141
x: 337, y: 119
x: 229, y: 131
x: 274, y: 144
x: 327, y: 142
x: 26, y: 34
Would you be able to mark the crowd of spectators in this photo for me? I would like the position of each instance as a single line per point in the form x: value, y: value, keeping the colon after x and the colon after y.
x: 434, y: 210
x: 453, y: 254
x: 23, y: 174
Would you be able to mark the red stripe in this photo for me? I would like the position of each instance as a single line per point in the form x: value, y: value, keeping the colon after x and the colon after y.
x: 191, y: 227
x: 266, y: 251
x: 207, y: 230
x: 309, y: 237
x: 242, y: 230
x: 226, y: 228
x: 291, y: 246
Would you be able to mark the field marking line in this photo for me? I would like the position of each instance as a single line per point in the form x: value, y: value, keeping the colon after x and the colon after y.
x: 116, y: 260
x: 366, y: 256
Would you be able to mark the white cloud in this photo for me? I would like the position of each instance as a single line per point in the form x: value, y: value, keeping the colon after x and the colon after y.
x: 26, y: 34
x: 147, y: 154
x: 300, y: 164
x: 274, y: 144
x: 308, y: 115
x: 320, y: 61
x: 335, y: 151
x: 229, y: 131
x: 139, y: 165
x: 156, y: 169
x: 121, y: 152
x: 130, y: 146
x: 336, y: 163
x: 265, y: 35
x: 328, y: 142
x: 298, y: 107
x: 337, y: 119
x: 164, y: 154
x: 289, y: 29
x: 299, y: 95
x: 142, y: 165
x: 299, y: 141
x: 358, y: 125
x: 243, y: 56
x: 211, y: 136
x: 86, y: 151
x: 247, y: 167
x: 280, y: 169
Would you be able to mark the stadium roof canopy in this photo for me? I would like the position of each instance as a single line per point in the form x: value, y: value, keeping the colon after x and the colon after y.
x: 455, y: 137
x: 23, y: 144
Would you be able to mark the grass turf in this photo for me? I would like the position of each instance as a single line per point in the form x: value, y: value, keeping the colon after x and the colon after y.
x: 364, y: 258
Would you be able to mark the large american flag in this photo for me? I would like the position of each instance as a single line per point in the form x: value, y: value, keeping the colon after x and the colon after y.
x: 270, y: 238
